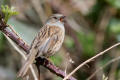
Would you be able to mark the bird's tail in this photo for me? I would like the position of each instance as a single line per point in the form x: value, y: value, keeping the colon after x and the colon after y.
x: 29, y: 61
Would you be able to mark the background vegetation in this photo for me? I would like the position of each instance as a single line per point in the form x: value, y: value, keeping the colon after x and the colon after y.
x: 94, y: 26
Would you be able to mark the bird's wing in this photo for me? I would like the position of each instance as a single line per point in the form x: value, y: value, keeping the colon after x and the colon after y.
x: 40, y: 40
x: 54, y: 34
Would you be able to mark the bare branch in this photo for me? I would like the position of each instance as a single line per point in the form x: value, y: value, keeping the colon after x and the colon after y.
x: 8, y: 31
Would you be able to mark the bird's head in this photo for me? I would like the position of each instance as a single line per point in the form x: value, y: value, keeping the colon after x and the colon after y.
x: 56, y: 18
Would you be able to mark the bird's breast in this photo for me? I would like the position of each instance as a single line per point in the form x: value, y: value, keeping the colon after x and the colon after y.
x: 57, y: 24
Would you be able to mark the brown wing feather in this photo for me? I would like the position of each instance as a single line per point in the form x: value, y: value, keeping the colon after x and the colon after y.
x: 51, y: 31
x: 55, y: 41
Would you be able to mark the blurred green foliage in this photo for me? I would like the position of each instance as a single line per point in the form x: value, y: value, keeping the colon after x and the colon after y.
x: 56, y: 59
x: 96, y: 10
x: 2, y: 42
x: 69, y: 43
x: 114, y: 3
x: 87, y: 42
x: 115, y: 26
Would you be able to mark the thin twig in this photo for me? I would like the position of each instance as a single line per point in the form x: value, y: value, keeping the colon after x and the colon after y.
x: 23, y: 55
x: 91, y: 59
x: 111, y: 61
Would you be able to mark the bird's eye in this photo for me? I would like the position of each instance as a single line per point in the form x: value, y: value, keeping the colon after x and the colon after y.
x: 55, y: 17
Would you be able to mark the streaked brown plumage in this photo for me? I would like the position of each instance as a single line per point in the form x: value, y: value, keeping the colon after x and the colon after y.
x: 47, y: 42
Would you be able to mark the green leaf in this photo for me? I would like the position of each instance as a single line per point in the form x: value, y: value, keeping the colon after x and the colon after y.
x: 8, y: 12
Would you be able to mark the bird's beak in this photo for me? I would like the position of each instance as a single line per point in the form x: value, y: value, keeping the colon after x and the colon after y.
x: 62, y: 19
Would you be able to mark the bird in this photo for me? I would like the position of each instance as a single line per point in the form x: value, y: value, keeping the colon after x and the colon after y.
x: 47, y: 42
